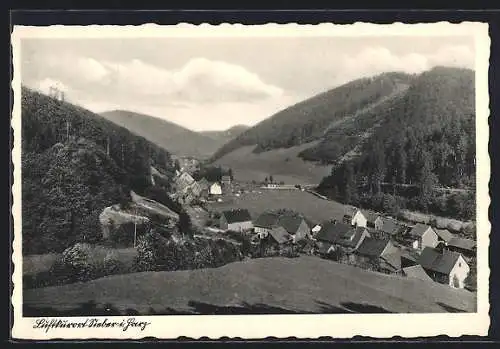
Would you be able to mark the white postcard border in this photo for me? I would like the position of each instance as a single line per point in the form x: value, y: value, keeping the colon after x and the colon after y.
x: 262, y: 326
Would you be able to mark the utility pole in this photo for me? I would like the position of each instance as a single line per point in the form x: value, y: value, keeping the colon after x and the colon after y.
x: 135, y: 228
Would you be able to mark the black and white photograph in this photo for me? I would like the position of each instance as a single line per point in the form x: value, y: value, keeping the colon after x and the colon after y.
x: 163, y: 173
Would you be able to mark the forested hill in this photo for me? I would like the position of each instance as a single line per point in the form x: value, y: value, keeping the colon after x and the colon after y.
x: 177, y: 139
x: 426, y: 140
x: 309, y: 119
x: 75, y: 163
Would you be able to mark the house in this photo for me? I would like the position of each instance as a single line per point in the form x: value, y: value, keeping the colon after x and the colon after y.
x: 445, y: 267
x: 417, y: 272
x: 204, y: 186
x: 278, y: 235
x: 352, y: 239
x: 183, y: 180
x: 355, y: 217
x: 296, y: 226
x: 265, y: 223
x: 380, y: 252
x: 227, y: 185
x: 389, y: 226
x: 236, y: 220
x: 215, y: 189
x: 466, y: 247
x: 444, y: 235
x: 330, y: 232
x: 373, y: 219
x: 423, y: 236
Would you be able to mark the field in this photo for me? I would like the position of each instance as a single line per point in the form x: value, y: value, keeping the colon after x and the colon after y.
x: 283, y: 164
x: 269, y: 285
x: 314, y: 208
x: 35, y: 264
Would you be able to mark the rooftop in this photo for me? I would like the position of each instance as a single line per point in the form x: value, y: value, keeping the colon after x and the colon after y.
x: 237, y: 215
x: 436, y: 261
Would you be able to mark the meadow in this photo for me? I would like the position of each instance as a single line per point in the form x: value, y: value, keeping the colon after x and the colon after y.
x: 267, y: 285
x: 311, y: 206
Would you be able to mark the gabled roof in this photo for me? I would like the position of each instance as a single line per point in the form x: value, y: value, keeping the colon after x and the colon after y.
x: 393, y: 259
x: 351, y: 238
x: 203, y: 183
x: 237, y: 215
x: 331, y: 232
x: 432, y: 259
x: 290, y: 223
x: 370, y: 216
x: 419, y: 230
x: 280, y: 235
x: 444, y: 234
x: 372, y: 247
x: 417, y: 272
x: 391, y: 226
x: 266, y: 220
x: 465, y: 244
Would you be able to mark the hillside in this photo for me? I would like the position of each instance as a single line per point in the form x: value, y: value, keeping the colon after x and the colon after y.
x: 177, y: 139
x: 425, y: 140
x: 225, y: 136
x: 308, y: 120
x: 75, y: 163
x: 303, y: 140
x: 267, y: 285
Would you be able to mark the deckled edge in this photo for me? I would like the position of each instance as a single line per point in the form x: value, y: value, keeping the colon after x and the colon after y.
x: 483, y: 273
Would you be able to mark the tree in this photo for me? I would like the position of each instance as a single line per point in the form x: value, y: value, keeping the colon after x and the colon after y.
x: 271, y: 179
x: 230, y: 173
x: 350, y: 191
x: 184, y: 224
x: 427, y: 180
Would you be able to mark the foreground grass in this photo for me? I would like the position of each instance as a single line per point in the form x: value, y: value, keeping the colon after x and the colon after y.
x: 271, y: 285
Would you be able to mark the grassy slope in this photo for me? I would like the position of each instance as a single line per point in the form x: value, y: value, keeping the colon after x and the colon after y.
x: 175, y: 138
x: 267, y: 283
x: 312, y: 207
x: 225, y: 135
x: 248, y: 166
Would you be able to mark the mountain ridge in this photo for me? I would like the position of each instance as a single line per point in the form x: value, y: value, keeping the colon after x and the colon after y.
x: 179, y: 140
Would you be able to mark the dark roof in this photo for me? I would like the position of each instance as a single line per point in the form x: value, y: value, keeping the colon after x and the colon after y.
x: 331, y: 232
x: 266, y: 220
x: 433, y: 260
x: 237, y: 215
x: 444, y: 234
x: 290, y: 223
x: 464, y: 244
x: 371, y: 247
x: 391, y: 226
x: 203, y: 183
x: 393, y: 259
x: 370, y: 215
x: 280, y: 235
x: 419, y: 230
x: 352, y: 237
x: 417, y: 272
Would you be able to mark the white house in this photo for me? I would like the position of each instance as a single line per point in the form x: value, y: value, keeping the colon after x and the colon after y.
x: 446, y: 267
x: 215, y: 189
x: 423, y: 236
x: 355, y: 217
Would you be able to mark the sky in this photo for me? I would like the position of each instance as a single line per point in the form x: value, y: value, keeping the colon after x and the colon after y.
x: 215, y: 83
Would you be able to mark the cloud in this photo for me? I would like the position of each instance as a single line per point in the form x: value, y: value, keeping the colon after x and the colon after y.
x: 199, y: 81
x: 375, y: 60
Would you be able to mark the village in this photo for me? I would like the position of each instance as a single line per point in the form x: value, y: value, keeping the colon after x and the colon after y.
x: 362, y: 238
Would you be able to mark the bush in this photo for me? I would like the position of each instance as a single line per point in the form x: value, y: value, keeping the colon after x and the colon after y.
x: 77, y: 259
